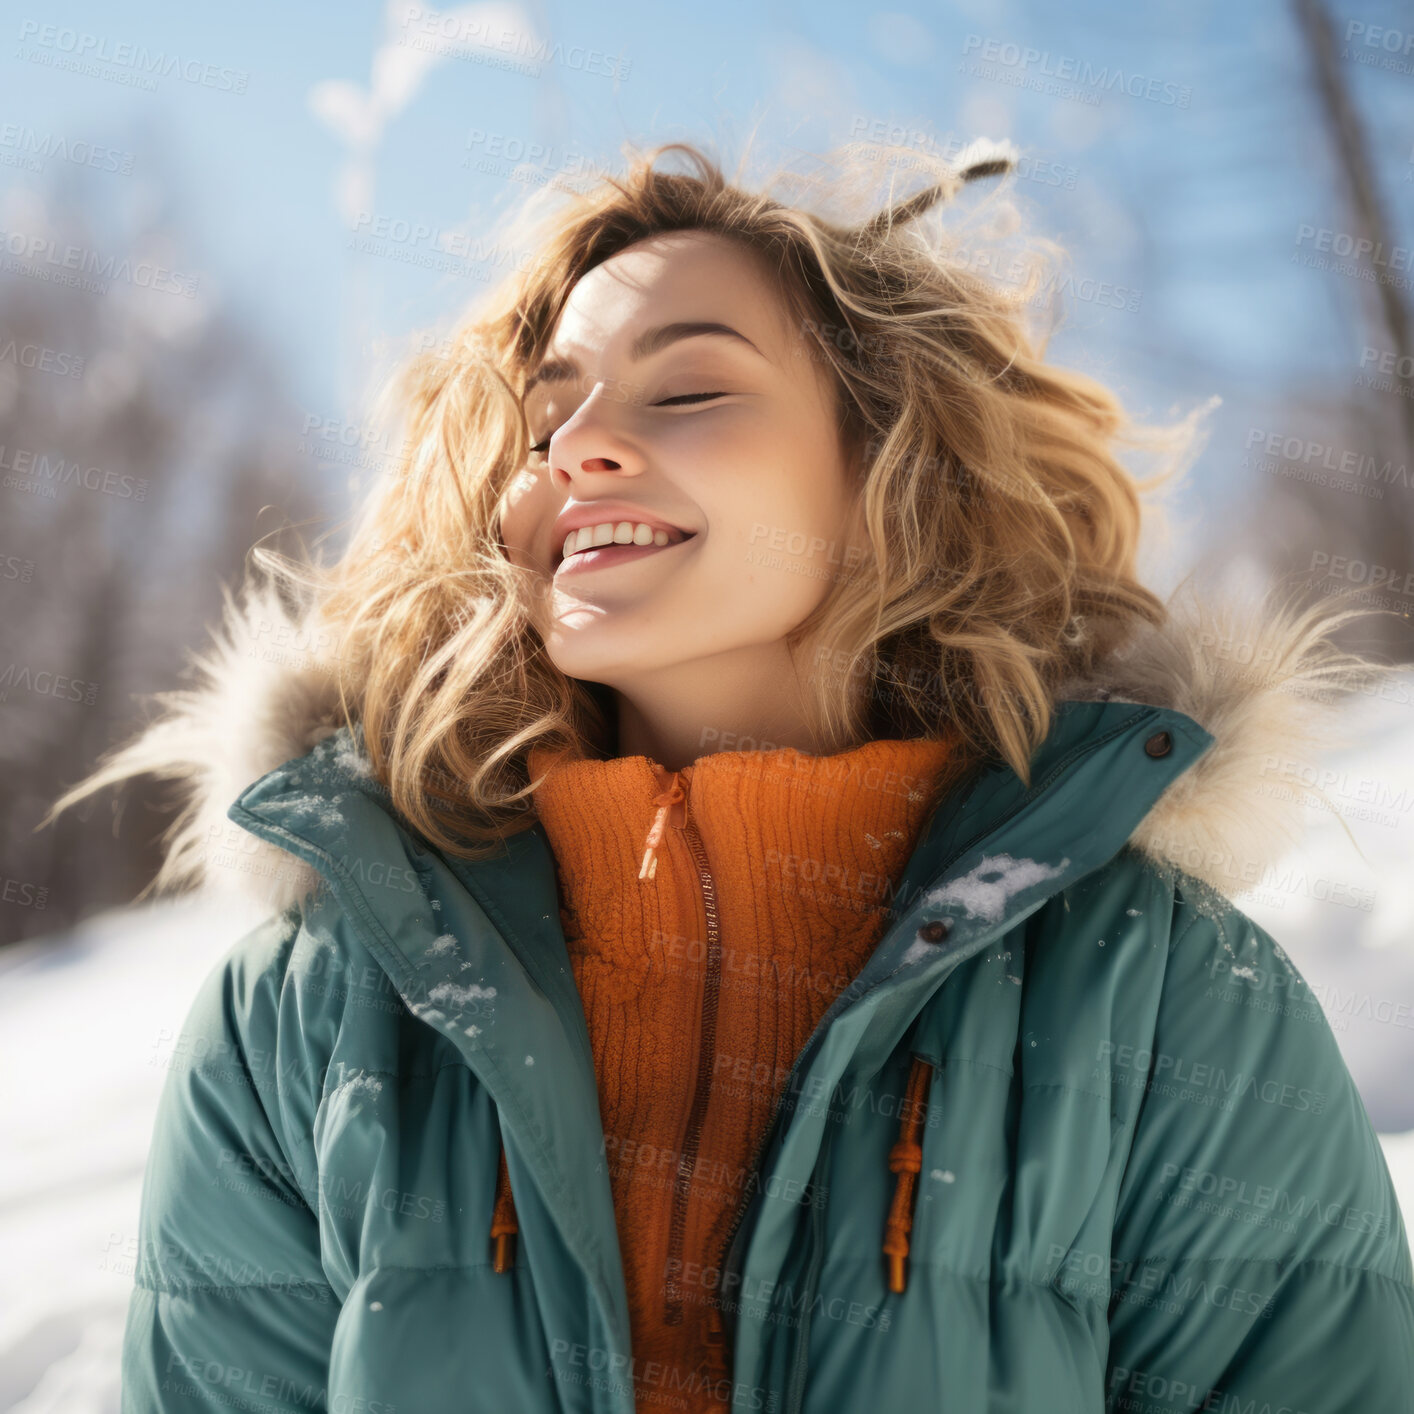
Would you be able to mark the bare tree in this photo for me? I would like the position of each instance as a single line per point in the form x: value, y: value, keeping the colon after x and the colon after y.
x: 143, y: 429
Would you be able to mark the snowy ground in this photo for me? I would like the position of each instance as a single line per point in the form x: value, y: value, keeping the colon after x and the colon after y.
x: 81, y: 1022
x: 83, y: 1019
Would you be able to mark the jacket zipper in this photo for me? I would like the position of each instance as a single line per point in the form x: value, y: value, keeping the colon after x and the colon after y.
x: 716, y: 1322
x: 795, y: 1388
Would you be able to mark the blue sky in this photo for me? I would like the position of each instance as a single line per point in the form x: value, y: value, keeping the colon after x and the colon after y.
x: 1192, y: 191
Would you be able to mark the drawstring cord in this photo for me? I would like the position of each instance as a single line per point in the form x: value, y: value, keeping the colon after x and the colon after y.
x: 503, y: 1221
x: 906, y: 1160
x: 664, y: 800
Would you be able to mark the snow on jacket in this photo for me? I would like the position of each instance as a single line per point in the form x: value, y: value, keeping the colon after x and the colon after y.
x: 1145, y: 1181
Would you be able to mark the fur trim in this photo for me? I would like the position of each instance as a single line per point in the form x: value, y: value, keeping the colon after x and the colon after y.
x: 1265, y: 681
x: 264, y: 694
x: 1270, y: 686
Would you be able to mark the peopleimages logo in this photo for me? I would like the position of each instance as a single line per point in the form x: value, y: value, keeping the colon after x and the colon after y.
x: 25, y: 470
x: 1204, y: 1079
x: 42, y: 359
x: 1037, y: 65
x: 24, y: 146
x: 1239, y: 1194
x: 43, y: 255
x: 62, y: 47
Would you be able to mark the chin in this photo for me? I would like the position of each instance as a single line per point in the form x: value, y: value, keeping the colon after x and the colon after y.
x: 600, y: 652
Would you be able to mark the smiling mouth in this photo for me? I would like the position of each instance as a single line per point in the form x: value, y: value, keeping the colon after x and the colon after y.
x: 616, y: 553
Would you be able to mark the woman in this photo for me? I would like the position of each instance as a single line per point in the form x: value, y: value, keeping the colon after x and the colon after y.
x: 749, y: 870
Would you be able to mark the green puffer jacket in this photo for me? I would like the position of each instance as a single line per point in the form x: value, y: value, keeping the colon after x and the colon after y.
x: 1147, y: 1181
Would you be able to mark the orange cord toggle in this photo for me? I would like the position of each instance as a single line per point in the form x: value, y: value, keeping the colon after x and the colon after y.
x: 664, y: 800
x: 504, y: 1224
x: 906, y: 1160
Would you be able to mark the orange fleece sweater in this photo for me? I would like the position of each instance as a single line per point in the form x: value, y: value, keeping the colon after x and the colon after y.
x: 702, y: 980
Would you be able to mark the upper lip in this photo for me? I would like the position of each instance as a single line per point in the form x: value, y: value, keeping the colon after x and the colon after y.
x: 579, y: 514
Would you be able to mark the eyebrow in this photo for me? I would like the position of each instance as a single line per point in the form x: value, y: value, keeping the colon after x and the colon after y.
x: 561, y: 370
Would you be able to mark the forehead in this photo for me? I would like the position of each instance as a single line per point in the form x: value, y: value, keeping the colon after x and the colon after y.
x: 680, y: 275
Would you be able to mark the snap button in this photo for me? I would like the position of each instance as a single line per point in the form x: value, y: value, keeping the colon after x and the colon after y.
x: 933, y: 932
x: 1160, y: 744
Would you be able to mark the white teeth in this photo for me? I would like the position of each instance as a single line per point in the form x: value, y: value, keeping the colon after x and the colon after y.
x: 624, y: 532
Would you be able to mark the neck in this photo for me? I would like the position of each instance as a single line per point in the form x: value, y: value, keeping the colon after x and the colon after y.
x: 751, y: 699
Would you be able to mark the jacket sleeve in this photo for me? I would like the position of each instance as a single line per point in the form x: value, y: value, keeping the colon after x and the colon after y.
x: 1259, y: 1259
x: 230, y: 1307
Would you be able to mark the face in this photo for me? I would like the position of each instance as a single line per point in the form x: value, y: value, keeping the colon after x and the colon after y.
x: 721, y: 443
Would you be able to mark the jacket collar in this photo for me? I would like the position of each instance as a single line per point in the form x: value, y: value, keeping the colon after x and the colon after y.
x: 1260, y: 680
x: 990, y: 855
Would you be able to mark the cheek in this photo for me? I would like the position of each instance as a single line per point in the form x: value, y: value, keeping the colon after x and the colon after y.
x: 525, y: 509
x: 801, y: 517
x: 786, y: 554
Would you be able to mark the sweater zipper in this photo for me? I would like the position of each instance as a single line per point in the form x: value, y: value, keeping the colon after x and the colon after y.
x: 702, y: 1078
x: 702, y: 1084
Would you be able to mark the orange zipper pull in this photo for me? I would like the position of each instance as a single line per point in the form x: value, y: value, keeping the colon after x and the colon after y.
x: 664, y: 800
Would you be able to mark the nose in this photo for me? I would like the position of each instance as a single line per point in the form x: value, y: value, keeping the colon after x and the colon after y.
x: 592, y: 440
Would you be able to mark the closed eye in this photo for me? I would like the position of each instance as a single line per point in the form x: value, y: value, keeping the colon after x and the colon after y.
x: 544, y: 447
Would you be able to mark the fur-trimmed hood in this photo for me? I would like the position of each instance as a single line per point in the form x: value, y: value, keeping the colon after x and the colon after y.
x: 1266, y: 682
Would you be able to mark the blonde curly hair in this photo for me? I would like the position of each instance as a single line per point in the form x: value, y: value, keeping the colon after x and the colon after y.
x: 1001, y: 527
